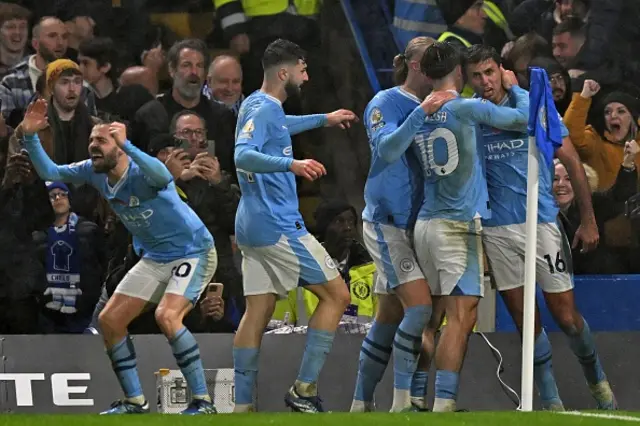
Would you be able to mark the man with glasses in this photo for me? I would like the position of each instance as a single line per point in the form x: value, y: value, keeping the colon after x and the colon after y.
x: 187, y: 61
x: 210, y: 191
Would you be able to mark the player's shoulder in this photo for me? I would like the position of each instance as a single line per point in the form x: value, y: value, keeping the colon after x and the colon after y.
x: 261, y: 107
x: 378, y: 102
x: 460, y: 106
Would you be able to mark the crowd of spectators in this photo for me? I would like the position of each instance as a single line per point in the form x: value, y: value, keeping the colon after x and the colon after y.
x: 62, y: 251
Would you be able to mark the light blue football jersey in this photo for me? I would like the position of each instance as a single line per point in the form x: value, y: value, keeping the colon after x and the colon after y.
x: 449, y: 148
x: 506, y: 156
x: 393, y: 190
x: 268, y: 207
x: 163, y: 227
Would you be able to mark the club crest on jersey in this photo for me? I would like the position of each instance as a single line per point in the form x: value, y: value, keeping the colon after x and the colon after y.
x: 407, y: 265
x: 134, y: 201
x: 329, y: 262
x: 247, y: 129
x: 542, y: 117
x: 376, y: 119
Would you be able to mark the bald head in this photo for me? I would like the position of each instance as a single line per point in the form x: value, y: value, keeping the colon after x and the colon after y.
x: 50, y: 39
x: 142, y: 76
x: 225, y: 79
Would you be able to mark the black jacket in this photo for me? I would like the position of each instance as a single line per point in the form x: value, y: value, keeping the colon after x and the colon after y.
x: 216, y: 206
x: 606, y: 205
x: 533, y: 15
x: 154, y: 118
x: 24, y: 209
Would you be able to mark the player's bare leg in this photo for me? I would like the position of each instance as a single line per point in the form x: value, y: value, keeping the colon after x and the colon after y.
x: 563, y: 309
x: 333, y: 298
x: 427, y: 353
x: 461, y: 314
x: 170, y: 315
x: 416, y: 302
x: 114, y: 319
x: 376, y: 352
x: 246, y: 347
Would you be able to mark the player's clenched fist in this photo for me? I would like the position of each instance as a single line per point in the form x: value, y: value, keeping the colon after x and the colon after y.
x: 308, y: 169
x: 508, y: 79
x: 119, y: 133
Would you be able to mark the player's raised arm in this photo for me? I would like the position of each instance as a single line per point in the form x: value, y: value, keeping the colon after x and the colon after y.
x: 499, y: 116
x: 35, y: 120
x: 155, y: 171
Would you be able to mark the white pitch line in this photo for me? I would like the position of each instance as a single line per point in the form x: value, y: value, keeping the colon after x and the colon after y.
x: 600, y: 416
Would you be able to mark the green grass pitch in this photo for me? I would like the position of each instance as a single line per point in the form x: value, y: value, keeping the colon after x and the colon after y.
x: 329, y: 419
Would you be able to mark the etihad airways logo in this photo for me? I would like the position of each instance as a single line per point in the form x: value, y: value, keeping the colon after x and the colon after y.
x: 503, y: 149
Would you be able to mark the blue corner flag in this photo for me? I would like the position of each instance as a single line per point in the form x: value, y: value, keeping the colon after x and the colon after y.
x: 544, y: 120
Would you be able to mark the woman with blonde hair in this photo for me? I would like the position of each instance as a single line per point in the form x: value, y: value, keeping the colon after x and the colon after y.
x: 606, y: 205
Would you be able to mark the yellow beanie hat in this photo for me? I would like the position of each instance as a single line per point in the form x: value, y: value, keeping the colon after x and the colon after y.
x: 57, y: 67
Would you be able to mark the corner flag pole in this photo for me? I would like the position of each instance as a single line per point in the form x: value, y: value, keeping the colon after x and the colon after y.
x: 545, y: 135
x: 528, y: 323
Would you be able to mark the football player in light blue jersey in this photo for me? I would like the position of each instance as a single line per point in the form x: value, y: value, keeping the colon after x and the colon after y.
x: 178, y: 254
x: 447, y: 234
x: 392, y: 194
x: 278, y: 251
x: 504, y: 235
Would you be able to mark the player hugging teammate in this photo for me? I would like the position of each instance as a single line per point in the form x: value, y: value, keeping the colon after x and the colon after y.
x: 472, y: 198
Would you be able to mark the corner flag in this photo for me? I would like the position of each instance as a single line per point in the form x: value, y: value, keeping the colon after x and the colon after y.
x: 545, y: 136
x: 544, y: 120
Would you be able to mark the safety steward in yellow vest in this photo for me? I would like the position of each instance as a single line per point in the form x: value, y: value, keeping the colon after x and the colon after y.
x: 250, y: 25
x: 467, y: 25
x: 336, y: 223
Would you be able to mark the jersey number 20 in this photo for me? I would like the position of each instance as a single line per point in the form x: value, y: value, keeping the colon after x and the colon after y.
x: 427, y: 155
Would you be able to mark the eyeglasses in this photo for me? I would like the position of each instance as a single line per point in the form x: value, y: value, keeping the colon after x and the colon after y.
x: 56, y: 195
x: 190, y: 133
x: 556, y: 79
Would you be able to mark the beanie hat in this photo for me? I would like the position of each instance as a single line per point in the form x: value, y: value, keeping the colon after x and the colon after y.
x: 327, y: 211
x: 57, y: 185
x: 57, y: 67
x: 452, y: 10
x: 630, y: 102
x: 622, y: 98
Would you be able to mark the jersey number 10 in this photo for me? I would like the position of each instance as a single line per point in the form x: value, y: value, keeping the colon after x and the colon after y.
x: 426, y: 152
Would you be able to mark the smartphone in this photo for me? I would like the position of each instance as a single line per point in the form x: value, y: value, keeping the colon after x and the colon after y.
x: 182, y: 144
x: 632, y: 207
x: 211, y: 148
x: 215, y: 289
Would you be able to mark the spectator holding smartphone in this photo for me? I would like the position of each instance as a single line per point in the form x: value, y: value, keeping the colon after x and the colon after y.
x: 220, y: 313
x: 208, y: 190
